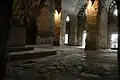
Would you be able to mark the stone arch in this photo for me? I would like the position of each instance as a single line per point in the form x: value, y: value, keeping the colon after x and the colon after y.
x: 112, y: 21
x: 81, y: 24
x: 106, y: 3
x: 73, y: 6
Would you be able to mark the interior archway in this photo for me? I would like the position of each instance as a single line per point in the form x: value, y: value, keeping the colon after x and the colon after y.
x: 112, y: 26
x: 67, y: 29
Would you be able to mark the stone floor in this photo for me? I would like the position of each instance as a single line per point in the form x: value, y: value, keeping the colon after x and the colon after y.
x: 70, y: 63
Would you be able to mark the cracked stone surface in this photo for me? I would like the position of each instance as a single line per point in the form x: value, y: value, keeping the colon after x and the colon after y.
x: 70, y: 64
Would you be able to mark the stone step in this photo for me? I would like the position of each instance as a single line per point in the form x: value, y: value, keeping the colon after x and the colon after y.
x: 18, y: 49
x: 15, y: 56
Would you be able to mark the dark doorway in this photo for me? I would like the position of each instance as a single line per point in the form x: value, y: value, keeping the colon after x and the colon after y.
x: 31, y: 32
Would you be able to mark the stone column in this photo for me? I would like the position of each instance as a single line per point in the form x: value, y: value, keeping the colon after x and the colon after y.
x: 79, y: 37
x: 80, y: 29
x: 62, y: 28
x: 91, y: 39
x: 72, y: 36
x: 59, y: 27
x: 118, y: 52
x: 108, y: 37
x: 52, y: 9
x: 91, y: 26
x: 45, y: 24
x: 103, y: 37
x: 57, y: 21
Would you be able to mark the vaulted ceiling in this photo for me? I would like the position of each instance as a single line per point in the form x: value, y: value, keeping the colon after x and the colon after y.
x: 106, y: 3
x: 73, y: 6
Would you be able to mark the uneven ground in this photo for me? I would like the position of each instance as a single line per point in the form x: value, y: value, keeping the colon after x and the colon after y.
x: 70, y: 63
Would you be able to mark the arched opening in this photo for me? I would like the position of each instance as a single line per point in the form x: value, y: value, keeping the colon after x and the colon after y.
x: 81, y: 30
x: 114, y: 40
x: 67, y: 30
x: 112, y: 26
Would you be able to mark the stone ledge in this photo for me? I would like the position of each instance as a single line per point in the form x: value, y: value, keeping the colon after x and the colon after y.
x: 18, y: 49
x: 29, y: 55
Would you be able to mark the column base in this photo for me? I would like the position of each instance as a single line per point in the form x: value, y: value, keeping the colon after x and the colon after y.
x: 90, y: 48
x: 91, y: 40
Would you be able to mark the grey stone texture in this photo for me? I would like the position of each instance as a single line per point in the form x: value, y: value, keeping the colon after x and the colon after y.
x: 70, y: 63
x: 72, y: 37
x: 62, y: 27
x: 103, y: 29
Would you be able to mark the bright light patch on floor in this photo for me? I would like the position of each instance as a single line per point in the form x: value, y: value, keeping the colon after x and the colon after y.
x: 66, y: 38
x: 114, y: 40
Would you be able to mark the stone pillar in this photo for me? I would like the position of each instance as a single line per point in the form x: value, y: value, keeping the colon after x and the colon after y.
x: 108, y: 37
x: 91, y: 39
x: 57, y: 21
x: 79, y: 37
x: 59, y: 27
x: 72, y: 36
x: 52, y: 9
x: 80, y: 29
x: 118, y: 52
x: 103, y: 37
x: 91, y: 26
x: 62, y: 28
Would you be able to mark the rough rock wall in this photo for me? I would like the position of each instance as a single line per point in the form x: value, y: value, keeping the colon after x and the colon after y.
x: 17, y: 34
x: 103, y: 29
x: 45, y: 24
